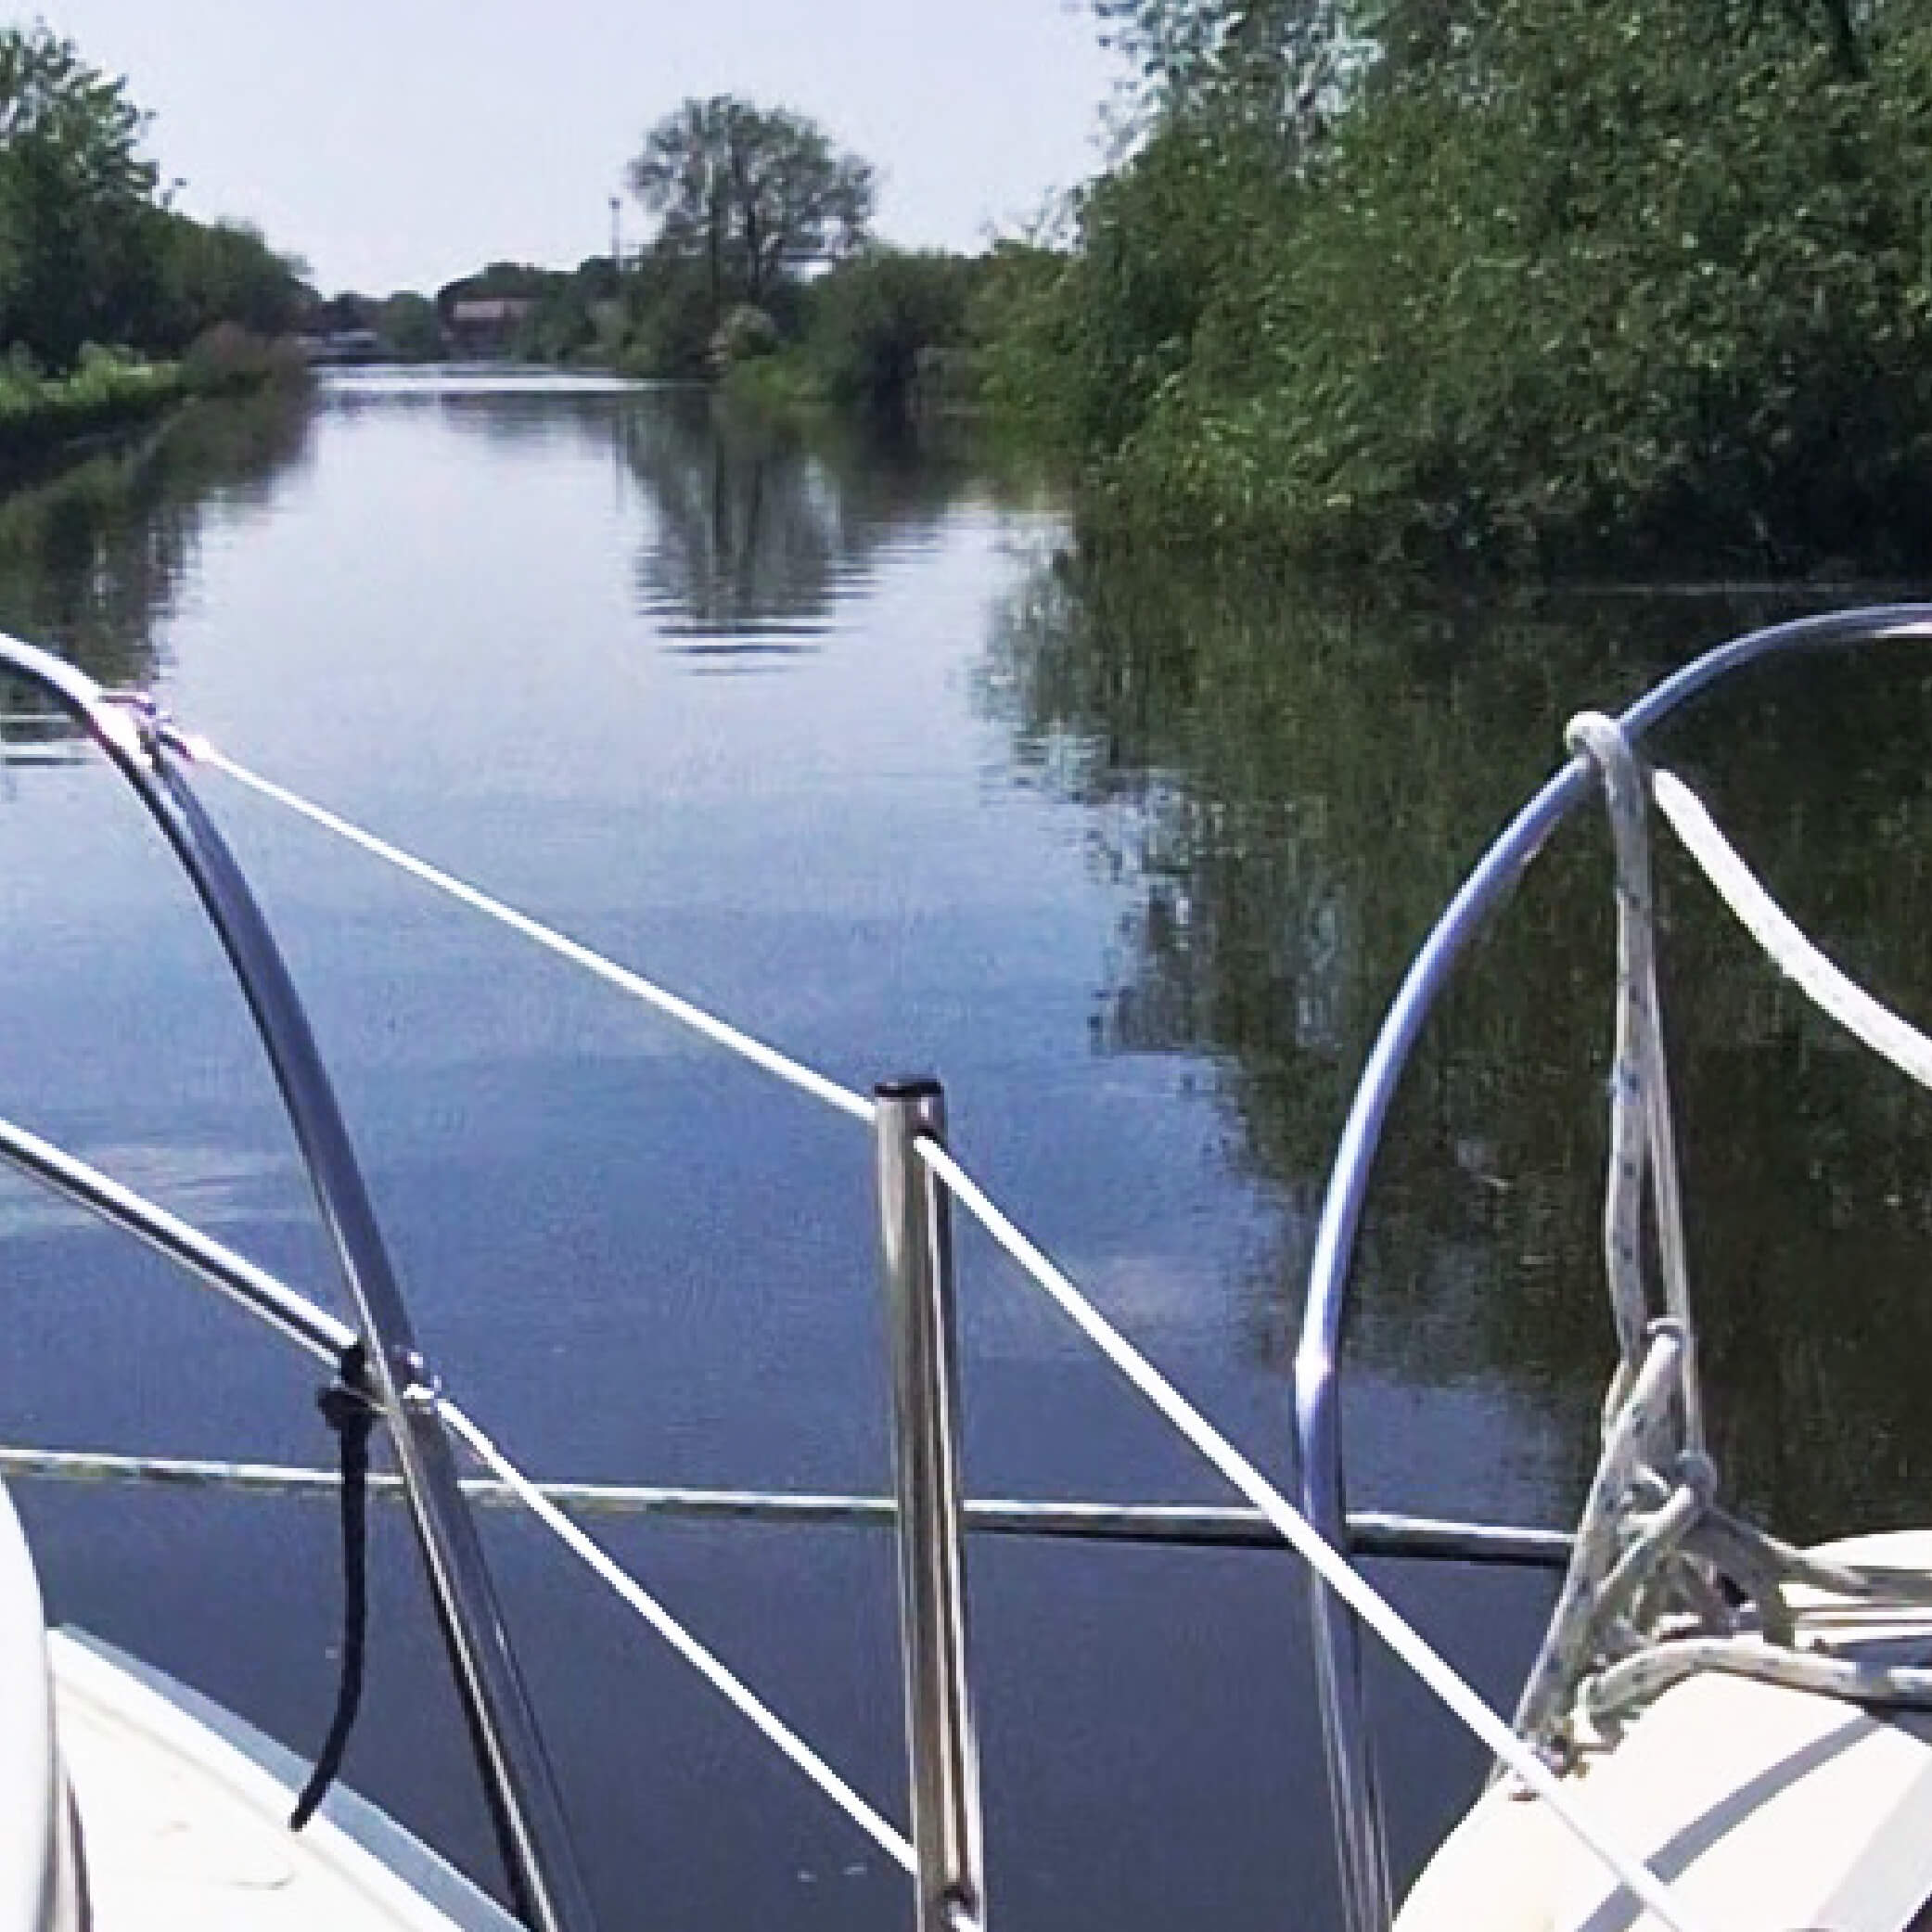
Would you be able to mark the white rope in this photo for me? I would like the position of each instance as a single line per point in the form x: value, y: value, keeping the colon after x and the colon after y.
x: 782, y: 1065
x: 1295, y: 1528
x: 738, y: 1693
x: 1643, y: 1140
x: 1795, y: 955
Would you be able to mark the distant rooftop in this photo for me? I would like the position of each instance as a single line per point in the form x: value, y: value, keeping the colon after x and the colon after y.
x: 491, y: 311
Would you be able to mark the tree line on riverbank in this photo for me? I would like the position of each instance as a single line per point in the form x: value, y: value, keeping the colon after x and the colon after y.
x: 762, y: 269
x: 1499, y: 285
x: 1524, y: 284
x: 112, y: 302
x: 1532, y: 283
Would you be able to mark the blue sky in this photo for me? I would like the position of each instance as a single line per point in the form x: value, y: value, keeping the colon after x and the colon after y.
x: 398, y: 143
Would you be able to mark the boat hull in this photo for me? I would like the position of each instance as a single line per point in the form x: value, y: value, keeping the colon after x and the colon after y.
x: 1761, y: 1806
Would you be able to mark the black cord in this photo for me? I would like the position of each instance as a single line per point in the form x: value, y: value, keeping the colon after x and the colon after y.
x: 349, y: 1408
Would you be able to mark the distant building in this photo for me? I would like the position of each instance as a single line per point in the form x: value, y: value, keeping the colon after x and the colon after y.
x: 486, y: 325
x: 343, y: 345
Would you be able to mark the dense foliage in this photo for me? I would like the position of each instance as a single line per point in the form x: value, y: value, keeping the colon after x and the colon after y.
x: 38, y: 410
x: 89, y: 252
x: 1519, y: 281
x: 886, y: 332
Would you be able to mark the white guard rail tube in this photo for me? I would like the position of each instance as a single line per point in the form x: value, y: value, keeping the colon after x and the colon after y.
x: 915, y: 1251
x: 1359, y: 1825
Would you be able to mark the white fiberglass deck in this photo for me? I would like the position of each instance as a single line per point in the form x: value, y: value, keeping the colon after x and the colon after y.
x: 1763, y: 1807
x: 184, y: 1824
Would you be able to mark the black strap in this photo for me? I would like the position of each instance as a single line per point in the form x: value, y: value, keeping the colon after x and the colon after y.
x: 349, y: 1409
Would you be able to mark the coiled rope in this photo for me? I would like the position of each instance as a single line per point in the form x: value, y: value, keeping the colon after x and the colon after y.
x: 1643, y: 1604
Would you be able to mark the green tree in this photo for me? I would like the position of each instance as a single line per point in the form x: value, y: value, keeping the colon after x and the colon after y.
x: 670, y: 314
x: 210, y: 272
x: 753, y: 193
x: 75, y: 192
x: 1285, y: 67
x: 1084, y: 345
x: 876, y: 321
x: 1517, y: 282
x: 499, y: 278
x: 410, y: 327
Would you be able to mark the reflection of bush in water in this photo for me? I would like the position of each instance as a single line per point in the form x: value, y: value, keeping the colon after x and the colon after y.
x: 93, y: 558
x: 1291, y: 792
x: 758, y: 524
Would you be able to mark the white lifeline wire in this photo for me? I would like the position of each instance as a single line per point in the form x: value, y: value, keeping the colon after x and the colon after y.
x: 1288, y: 1521
x: 1295, y: 1528
x: 793, y: 1073
x: 1773, y: 928
x: 742, y: 1698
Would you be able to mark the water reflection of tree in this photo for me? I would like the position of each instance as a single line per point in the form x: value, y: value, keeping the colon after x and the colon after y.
x: 759, y: 530
x: 757, y: 526
x: 96, y: 557
x: 519, y: 412
x: 1291, y: 792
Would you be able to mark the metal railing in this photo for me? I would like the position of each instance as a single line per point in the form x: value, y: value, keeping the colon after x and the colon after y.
x: 1359, y: 1825
x: 915, y: 1253
x: 917, y: 1179
x: 521, y: 1787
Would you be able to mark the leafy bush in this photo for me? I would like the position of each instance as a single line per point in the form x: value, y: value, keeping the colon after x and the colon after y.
x: 877, y: 322
x: 669, y: 318
x: 1083, y: 343
x: 411, y: 328
x: 1569, y: 281
x: 229, y: 357
x: 106, y: 389
x: 744, y: 334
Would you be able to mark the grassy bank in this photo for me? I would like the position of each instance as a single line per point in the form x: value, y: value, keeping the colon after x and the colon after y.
x: 112, y: 390
x: 108, y: 392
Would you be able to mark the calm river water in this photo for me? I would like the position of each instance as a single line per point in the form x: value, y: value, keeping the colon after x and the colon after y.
x: 842, y: 742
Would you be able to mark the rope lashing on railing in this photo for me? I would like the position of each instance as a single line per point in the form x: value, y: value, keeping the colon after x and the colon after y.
x: 1632, y: 1445
x: 714, y: 1671
x: 1375, y: 1610
x: 1634, y: 1681
x: 348, y: 1406
x: 781, y: 1066
x: 1643, y: 1604
x: 1643, y: 1139
x: 1651, y: 1418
